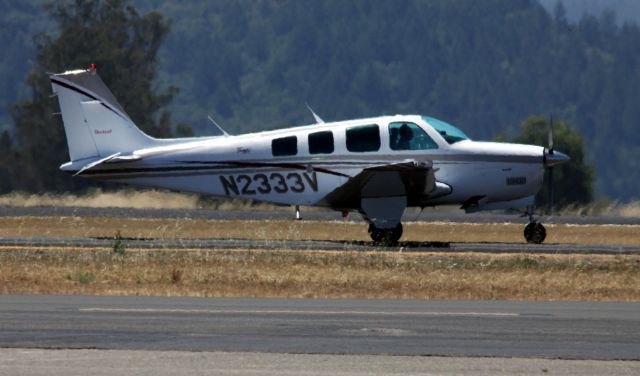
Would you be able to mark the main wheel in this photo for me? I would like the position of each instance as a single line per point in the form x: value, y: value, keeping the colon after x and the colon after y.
x: 375, y: 233
x: 535, y: 233
x: 385, y: 236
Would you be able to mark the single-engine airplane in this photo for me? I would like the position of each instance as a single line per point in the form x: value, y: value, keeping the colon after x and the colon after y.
x: 375, y: 166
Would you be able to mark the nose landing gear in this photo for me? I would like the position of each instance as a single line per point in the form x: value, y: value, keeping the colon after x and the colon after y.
x: 534, y: 232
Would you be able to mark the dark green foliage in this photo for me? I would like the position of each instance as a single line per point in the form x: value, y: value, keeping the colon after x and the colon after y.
x: 81, y: 276
x: 625, y: 10
x: 7, y: 157
x: 118, y: 246
x: 124, y: 45
x: 573, y: 182
x: 19, y: 22
x: 482, y: 65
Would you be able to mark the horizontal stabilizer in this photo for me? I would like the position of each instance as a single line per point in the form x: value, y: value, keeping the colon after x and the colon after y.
x: 114, y: 158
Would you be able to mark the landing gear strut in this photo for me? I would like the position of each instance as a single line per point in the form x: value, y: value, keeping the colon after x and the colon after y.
x: 534, y: 232
x: 385, y: 236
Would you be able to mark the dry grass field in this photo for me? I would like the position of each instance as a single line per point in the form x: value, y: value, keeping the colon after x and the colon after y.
x: 159, y: 199
x: 296, y: 230
x: 320, y: 274
x: 374, y: 274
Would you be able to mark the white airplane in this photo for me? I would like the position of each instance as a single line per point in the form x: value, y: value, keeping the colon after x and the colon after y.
x: 376, y: 166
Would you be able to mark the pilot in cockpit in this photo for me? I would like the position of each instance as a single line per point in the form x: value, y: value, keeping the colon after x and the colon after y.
x: 404, y: 137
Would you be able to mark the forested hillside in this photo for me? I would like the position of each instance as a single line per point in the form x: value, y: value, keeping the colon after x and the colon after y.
x: 483, y: 65
x: 624, y: 10
x: 19, y: 22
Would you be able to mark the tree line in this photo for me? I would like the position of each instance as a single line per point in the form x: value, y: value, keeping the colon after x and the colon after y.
x: 484, y: 66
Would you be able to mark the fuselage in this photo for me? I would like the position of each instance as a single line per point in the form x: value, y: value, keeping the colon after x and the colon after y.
x: 304, y: 165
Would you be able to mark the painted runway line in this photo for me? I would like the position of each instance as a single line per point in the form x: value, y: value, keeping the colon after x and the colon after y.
x: 296, y: 312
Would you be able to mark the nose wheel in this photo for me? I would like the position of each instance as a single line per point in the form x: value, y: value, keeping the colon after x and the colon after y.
x: 535, y: 233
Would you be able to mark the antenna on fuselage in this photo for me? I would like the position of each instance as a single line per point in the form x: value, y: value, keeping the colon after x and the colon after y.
x: 218, y: 126
x: 315, y: 116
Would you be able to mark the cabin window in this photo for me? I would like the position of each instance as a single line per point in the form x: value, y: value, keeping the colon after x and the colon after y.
x: 321, y: 142
x: 363, y: 138
x: 284, y: 146
x: 409, y: 136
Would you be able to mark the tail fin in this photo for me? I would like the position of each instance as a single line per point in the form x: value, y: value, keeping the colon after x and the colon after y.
x: 95, y: 123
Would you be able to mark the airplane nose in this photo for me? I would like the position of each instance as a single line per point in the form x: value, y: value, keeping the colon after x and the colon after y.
x: 555, y: 158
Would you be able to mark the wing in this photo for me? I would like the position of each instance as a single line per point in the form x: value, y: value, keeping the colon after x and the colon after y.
x: 411, y: 179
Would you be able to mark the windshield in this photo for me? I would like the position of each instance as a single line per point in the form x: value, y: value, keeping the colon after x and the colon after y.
x: 450, y: 133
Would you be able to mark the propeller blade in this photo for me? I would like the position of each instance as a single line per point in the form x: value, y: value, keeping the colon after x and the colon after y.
x: 550, y: 141
x: 550, y: 190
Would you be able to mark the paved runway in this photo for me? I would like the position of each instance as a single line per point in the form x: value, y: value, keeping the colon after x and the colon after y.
x: 302, y: 245
x: 37, y: 362
x: 569, y: 330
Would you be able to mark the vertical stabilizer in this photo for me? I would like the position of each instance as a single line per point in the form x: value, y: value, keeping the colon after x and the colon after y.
x: 95, y: 123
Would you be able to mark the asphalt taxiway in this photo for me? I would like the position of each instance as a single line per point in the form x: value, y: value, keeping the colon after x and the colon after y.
x: 78, y: 335
x: 567, y: 330
x: 37, y: 362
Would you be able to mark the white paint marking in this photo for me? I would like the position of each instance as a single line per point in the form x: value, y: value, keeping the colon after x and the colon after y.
x: 297, y: 312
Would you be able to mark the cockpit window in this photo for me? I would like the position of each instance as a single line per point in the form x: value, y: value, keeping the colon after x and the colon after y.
x: 409, y: 136
x: 450, y: 133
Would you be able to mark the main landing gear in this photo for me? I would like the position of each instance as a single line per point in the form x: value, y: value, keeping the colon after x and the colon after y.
x: 534, y: 232
x: 385, y: 236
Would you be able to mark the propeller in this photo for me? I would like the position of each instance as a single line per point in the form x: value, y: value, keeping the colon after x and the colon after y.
x: 552, y: 158
x: 550, y: 153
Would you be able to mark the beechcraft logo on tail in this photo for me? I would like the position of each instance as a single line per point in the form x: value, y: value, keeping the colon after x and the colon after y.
x: 102, y: 131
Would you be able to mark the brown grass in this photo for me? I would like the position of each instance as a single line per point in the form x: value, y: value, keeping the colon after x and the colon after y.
x: 320, y: 230
x: 604, y: 207
x: 321, y: 274
x: 132, y: 198
x: 314, y: 273
x: 160, y: 199
x: 148, y: 199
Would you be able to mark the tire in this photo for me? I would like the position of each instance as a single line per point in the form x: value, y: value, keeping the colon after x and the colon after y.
x: 387, y: 237
x: 375, y: 233
x: 535, y: 233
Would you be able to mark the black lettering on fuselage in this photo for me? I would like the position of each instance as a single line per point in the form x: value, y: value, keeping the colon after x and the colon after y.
x: 229, y: 184
x: 262, y: 184
x: 297, y: 185
x: 281, y: 184
x: 312, y: 180
x: 247, y: 182
x: 264, y: 187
